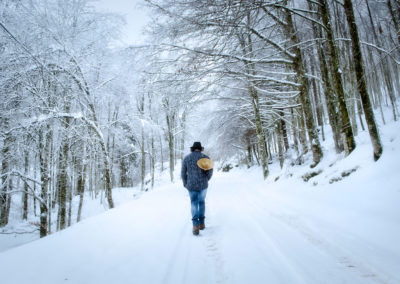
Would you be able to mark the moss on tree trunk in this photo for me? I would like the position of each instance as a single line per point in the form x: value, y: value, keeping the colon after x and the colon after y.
x: 361, y: 82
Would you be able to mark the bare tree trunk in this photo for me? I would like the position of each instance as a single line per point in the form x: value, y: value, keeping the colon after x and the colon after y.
x: 152, y: 160
x: 331, y: 102
x: 62, y: 170
x: 52, y: 190
x: 143, y: 164
x: 34, y: 185
x: 346, y: 130
x: 280, y: 147
x: 183, y: 124
x: 260, y: 133
x: 247, y: 50
x: 304, y: 92
x: 81, y: 169
x: 44, y: 141
x: 317, y: 99
x: 249, y: 152
x: 161, y: 154
x: 62, y: 186
x: 26, y: 188
x: 70, y: 195
x: 283, y: 130
x: 170, y: 125
x: 395, y: 18
x: 361, y: 83
x: 302, y: 131
x: 81, y: 189
x: 385, y: 67
x: 294, y: 131
x: 5, y: 178
x: 4, y: 196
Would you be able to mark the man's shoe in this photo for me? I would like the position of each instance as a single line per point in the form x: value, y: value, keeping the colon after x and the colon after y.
x: 196, y: 230
x: 202, y: 226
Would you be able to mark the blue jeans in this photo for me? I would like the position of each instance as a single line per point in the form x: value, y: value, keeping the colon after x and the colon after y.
x: 197, y: 199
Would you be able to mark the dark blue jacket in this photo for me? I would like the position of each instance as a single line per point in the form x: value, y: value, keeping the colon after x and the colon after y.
x: 192, y: 176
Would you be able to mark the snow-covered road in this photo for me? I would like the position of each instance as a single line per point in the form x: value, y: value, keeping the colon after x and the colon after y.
x: 255, y: 234
x: 263, y: 238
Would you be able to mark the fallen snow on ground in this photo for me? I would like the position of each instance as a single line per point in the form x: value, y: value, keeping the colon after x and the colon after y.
x: 19, y: 232
x: 329, y: 229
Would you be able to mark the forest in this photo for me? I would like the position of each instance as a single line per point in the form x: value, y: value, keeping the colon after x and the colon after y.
x: 258, y: 82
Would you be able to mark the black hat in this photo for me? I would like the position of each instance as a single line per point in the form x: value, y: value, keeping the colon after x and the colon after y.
x: 196, y: 146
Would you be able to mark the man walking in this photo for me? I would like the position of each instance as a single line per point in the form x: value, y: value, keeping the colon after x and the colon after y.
x: 196, y: 172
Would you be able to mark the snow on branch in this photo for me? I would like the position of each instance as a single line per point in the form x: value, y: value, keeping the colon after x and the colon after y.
x: 297, y: 12
x: 277, y: 46
x: 231, y: 56
x: 25, y: 179
x: 386, y: 52
x: 21, y: 175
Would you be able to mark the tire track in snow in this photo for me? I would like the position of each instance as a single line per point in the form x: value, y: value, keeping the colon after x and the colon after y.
x: 265, y: 243
x: 176, y: 255
x: 340, y: 255
x: 250, y: 255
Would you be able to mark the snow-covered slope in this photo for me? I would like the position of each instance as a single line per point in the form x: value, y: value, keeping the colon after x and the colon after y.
x: 323, y: 230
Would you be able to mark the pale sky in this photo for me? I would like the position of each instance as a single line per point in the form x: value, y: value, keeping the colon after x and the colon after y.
x: 136, y: 17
